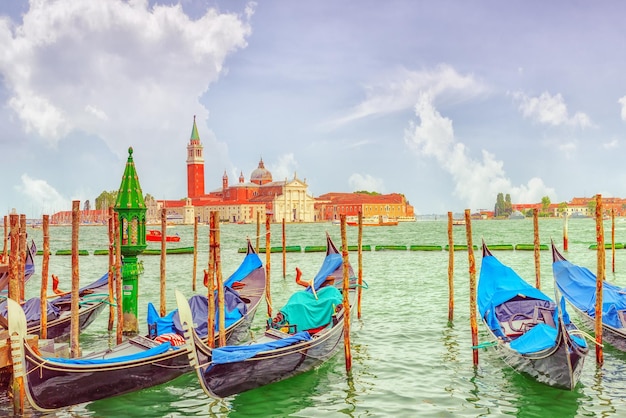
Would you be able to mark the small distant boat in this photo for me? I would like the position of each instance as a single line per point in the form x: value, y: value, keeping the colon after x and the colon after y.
x: 516, y: 215
x: 155, y: 236
x: 458, y: 222
x: 375, y: 220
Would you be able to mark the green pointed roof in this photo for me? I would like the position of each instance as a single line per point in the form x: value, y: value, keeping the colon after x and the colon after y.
x: 194, y: 131
x: 130, y: 195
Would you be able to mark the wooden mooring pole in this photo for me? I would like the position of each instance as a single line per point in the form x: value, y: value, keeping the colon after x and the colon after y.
x: 118, y: 279
x: 17, y: 384
x: 43, y: 295
x: 537, y: 248
x: 195, y: 253
x: 163, y: 308
x: 360, y: 274
x: 346, y: 298
x: 613, y: 240
x: 284, y: 251
x: 268, y: 294
x: 599, y: 279
x: 565, y: 238
x: 210, y: 283
x: 111, y: 322
x: 75, y: 321
x: 220, y: 283
x: 472, y: 287
x: 450, y: 269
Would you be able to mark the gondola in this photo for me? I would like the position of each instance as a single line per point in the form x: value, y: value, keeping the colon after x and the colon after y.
x: 531, y: 332
x: 578, y: 286
x: 305, y: 333
x: 141, y: 361
x: 29, y: 268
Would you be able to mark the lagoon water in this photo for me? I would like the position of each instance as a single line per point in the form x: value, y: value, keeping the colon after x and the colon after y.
x: 408, y: 361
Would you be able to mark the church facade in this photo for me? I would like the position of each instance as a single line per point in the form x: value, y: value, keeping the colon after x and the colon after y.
x: 241, y: 202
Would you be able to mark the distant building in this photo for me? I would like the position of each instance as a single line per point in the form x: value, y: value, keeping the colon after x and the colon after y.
x: 241, y: 202
x: 330, y: 206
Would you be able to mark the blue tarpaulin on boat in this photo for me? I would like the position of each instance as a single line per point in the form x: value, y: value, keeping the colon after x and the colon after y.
x: 234, y: 308
x: 539, y: 337
x: 32, y: 310
x: 303, y: 310
x: 234, y: 353
x: 497, y: 284
x: 250, y: 263
x: 331, y: 263
x: 578, y: 285
x: 159, y: 349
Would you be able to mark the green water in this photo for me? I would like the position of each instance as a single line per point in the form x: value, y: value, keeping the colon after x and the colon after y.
x: 407, y: 360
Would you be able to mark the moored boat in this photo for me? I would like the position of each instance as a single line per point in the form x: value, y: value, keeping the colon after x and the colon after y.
x: 375, y: 220
x: 141, y: 361
x: 305, y: 333
x: 531, y: 332
x: 578, y: 286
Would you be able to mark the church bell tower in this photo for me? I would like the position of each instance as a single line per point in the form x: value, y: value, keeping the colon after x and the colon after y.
x: 195, y: 164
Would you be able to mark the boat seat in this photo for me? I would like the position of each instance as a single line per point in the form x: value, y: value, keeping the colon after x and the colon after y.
x: 519, y: 323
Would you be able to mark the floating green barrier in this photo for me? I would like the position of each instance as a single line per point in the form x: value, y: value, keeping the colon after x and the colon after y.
x: 179, y: 250
x: 530, y: 247
x: 314, y: 248
x: 425, y: 248
x: 459, y: 247
x: 288, y: 249
x: 390, y: 247
x: 100, y: 252
x: 607, y: 246
x: 498, y: 247
x: 69, y: 252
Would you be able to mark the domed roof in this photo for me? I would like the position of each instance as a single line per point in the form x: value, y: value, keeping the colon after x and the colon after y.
x: 260, y: 175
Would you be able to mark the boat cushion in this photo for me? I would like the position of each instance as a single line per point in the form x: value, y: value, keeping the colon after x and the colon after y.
x: 306, y: 312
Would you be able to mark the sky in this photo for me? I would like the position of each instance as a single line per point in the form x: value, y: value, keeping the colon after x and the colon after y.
x: 448, y: 103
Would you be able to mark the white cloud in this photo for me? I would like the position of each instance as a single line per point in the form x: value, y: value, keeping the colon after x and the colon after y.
x: 42, y: 195
x: 402, y: 88
x: 477, y: 182
x: 550, y: 110
x: 611, y: 144
x: 361, y: 182
x: 72, y: 60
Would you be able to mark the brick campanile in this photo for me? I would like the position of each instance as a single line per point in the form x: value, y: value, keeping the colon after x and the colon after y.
x: 195, y: 164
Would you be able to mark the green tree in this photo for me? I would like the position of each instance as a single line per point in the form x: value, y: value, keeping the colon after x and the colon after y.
x: 106, y: 199
x: 545, y: 204
x: 508, y: 207
x: 498, y: 210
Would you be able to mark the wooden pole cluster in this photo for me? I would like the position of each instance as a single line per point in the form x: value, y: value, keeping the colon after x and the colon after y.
x: 75, y: 321
x: 163, y: 308
x: 17, y: 385
x: 43, y: 295
x: 220, y: 283
x: 111, y: 268
x: 360, y: 250
x: 450, y: 269
x: 195, y: 253
x: 210, y: 283
x: 118, y: 278
x: 346, y: 290
x: 268, y: 297
x: 599, y: 280
x: 537, y: 248
x: 472, y: 287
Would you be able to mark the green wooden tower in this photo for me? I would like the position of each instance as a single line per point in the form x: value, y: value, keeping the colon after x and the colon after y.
x: 131, y: 209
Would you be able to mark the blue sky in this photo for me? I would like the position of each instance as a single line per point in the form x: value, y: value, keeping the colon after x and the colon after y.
x: 447, y: 102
